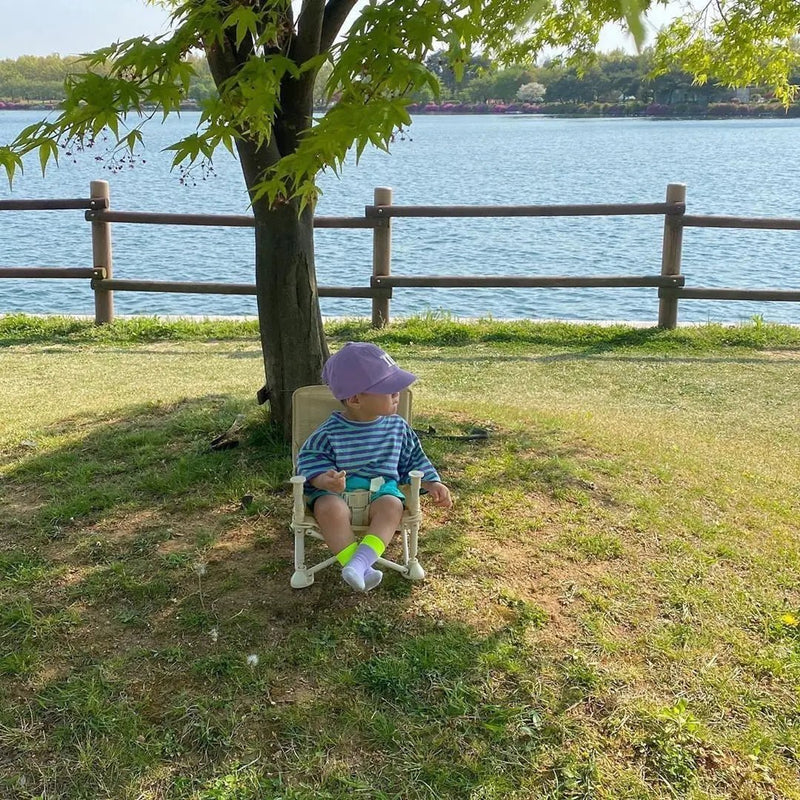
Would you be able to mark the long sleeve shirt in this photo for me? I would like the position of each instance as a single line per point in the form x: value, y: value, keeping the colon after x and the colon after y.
x: 386, y: 447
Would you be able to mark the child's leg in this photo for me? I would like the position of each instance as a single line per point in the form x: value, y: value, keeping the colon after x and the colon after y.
x: 385, y: 513
x: 333, y: 517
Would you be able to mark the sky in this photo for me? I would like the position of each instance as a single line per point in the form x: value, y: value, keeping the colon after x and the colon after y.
x: 69, y: 27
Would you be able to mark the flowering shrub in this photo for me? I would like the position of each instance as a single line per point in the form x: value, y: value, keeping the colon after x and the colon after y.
x: 629, y: 108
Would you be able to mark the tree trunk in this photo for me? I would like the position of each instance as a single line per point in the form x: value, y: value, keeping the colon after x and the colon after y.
x: 292, y: 338
x: 290, y: 321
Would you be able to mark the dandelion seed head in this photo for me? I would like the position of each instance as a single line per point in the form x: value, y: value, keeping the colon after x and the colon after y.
x: 252, y: 660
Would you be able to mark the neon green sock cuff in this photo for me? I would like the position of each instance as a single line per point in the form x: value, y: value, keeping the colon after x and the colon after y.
x: 343, y: 556
x: 374, y: 543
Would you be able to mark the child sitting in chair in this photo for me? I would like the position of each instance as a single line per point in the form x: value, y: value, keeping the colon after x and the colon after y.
x: 366, y: 440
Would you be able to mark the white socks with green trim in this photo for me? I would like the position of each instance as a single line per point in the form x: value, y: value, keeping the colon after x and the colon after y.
x: 358, y: 572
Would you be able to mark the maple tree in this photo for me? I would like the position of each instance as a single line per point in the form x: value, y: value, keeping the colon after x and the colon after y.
x: 264, y: 57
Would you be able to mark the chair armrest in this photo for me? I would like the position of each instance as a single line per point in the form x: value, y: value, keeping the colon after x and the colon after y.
x: 413, y: 495
x: 299, y: 509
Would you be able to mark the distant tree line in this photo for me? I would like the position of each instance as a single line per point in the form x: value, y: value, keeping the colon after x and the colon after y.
x: 612, y: 79
x: 40, y: 79
x: 615, y: 80
x: 34, y: 77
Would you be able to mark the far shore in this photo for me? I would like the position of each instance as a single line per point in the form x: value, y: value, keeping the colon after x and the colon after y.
x: 629, y: 109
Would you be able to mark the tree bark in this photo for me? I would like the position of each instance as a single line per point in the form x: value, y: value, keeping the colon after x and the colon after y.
x: 290, y: 321
x: 292, y: 338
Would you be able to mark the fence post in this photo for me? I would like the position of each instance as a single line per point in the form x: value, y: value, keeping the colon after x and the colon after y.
x: 671, y: 255
x: 381, y: 256
x: 101, y: 255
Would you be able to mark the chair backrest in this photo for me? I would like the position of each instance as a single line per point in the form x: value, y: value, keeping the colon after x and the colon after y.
x: 312, y: 405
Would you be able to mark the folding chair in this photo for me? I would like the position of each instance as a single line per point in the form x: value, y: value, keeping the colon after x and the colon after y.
x: 312, y: 405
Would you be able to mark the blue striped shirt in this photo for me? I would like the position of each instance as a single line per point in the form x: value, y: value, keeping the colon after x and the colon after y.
x: 384, y: 448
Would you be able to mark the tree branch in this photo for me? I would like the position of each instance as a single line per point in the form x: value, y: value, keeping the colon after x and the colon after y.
x: 296, y: 94
x: 336, y: 12
x: 224, y: 61
x: 306, y: 43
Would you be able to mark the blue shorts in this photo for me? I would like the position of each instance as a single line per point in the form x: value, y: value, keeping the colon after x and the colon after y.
x: 353, y: 483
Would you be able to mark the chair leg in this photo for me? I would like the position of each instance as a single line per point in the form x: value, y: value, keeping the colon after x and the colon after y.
x: 301, y: 577
x: 414, y: 571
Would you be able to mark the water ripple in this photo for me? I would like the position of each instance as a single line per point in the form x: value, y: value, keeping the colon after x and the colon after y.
x: 729, y: 167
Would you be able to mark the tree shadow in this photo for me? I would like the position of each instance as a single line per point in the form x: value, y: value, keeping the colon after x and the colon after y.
x: 139, y: 457
x: 595, y: 353
x: 152, y: 613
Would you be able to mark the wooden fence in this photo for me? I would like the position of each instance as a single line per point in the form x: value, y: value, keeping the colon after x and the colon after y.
x: 378, y: 217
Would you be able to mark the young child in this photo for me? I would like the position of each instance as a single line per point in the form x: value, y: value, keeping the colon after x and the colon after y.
x: 367, y: 439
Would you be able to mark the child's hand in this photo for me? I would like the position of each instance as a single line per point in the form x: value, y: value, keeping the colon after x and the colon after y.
x: 330, y: 481
x: 439, y: 493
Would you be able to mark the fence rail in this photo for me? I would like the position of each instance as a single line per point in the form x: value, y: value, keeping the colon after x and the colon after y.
x: 190, y: 287
x: 596, y: 210
x: 521, y: 282
x: 50, y: 205
x: 763, y: 223
x: 699, y: 293
x: 378, y: 216
x: 216, y: 220
x: 49, y: 272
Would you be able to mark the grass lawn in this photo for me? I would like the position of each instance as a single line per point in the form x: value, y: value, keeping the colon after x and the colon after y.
x: 612, y: 607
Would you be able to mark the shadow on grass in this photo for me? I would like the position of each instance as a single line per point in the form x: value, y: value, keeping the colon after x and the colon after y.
x: 143, y: 456
x: 586, y: 355
x: 141, y: 352
x: 158, y: 649
x: 360, y: 697
x: 200, y: 665
x: 153, y: 647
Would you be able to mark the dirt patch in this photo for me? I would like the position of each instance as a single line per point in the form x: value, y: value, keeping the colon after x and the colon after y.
x: 197, y: 585
x: 782, y: 355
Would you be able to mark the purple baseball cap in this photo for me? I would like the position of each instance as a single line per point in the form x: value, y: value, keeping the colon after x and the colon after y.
x: 364, y: 367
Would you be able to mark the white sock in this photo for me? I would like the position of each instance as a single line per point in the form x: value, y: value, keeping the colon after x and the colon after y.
x: 358, y: 572
x: 354, y: 578
x: 372, y: 577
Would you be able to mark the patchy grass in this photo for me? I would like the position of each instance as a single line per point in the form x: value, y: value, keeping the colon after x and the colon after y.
x: 612, y: 608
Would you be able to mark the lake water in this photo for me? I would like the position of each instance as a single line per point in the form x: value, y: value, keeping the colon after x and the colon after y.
x: 740, y: 167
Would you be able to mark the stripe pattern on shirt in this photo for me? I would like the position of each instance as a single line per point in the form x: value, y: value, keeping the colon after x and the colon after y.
x: 386, y: 447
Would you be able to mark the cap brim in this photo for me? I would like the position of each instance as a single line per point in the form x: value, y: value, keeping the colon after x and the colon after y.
x: 395, y: 382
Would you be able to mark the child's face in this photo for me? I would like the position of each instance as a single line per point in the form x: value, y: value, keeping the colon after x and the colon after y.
x: 366, y: 406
